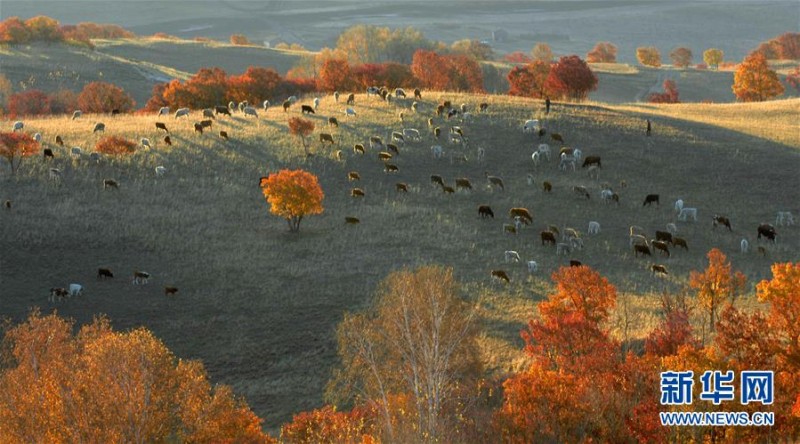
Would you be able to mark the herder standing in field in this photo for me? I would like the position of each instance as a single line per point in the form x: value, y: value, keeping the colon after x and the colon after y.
x: 547, y: 105
x: 649, y: 128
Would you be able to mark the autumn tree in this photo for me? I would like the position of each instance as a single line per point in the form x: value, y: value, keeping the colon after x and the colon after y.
x: 648, y: 56
x: 32, y: 102
x: 603, y: 52
x: 390, y: 74
x: 473, y: 48
x: 63, y: 101
x: 293, y: 194
x: 101, y: 97
x: 783, y: 47
x: 254, y: 85
x: 44, y: 28
x: 792, y: 79
x: 301, y: 128
x: 327, y: 425
x: 372, y: 44
x: 713, y: 57
x: 447, y: 72
x: 754, y: 81
x: 13, y: 30
x: 674, y: 330
x: 529, y: 80
x: 115, y: 146
x: 334, y: 76
x: 16, y: 146
x: 240, y: 39
x: 571, y: 78
x: 518, y: 57
x: 681, y: 57
x: 418, y: 339
x: 106, y: 386
x: 670, y: 94
x: 716, y: 285
x: 542, y: 52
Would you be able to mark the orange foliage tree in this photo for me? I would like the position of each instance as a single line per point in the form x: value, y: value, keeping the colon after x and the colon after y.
x: 542, y: 52
x: 674, y: 331
x: 101, y: 97
x: 389, y: 74
x: 13, y: 30
x: 106, y: 386
x: 44, y: 28
x: 754, y: 81
x: 301, y: 128
x: 681, y: 57
x: 648, y: 56
x: 529, y: 80
x: 115, y: 145
x: 331, y: 426
x: 334, y: 75
x: 32, y: 102
x: 447, y: 72
x: 254, y: 85
x: 579, y: 387
x: 783, y: 47
x: 293, y: 194
x: 793, y: 78
x: 518, y: 57
x: 670, y: 94
x: 571, y: 78
x: 713, y: 57
x: 207, y: 88
x: 603, y: 52
x: 716, y: 284
x: 240, y: 39
x: 16, y: 146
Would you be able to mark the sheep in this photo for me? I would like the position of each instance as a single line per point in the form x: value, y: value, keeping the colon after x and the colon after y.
x: 333, y: 121
x: 547, y: 186
x: 660, y: 269
x: 637, y: 239
x: 398, y: 137
x: 548, y: 236
x: 47, y: 153
x: 358, y: 149
x: 59, y: 140
x: 437, y: 179
x: 660, y: 246
x: 414, y: 106
x: 232, y: 106
x: 641, y: 249
x: 510, y: 229
x: 594, y: 227
x: 316, y: 102
x: 581, y: 191
x: 501, y: 276
x: 351, y: 99
x: 325, y: 137
x: 305, y: 109
x: 393, y: 148
x: 464, y: 183
x: 557, y: 138
x: 198, y: 128
x: 286, y: 105
x: 686, y: 213
x: 412, y: 134
x: 593, y: 172
x: 522, y: 213
x: 18, y: 125
x: 75, y: 290
x: 530, y: 126
x: 163, y: 111
x: 784, y: 218
x: 250, y: 111
x: 721, y: 220
x: 576, y: 243
x: 384, y: 156
x: 223, y: 134
x: 242, y: 106
x: 511, y: 256
x: 145, y: 142
x: 373, y: 91
x: 208, y: 113
x: 58, y: 292
x: 400, y: 186
x: 390, y: 168
x: 160, y: 170
x: 672, y: 228
x: 170, y: 291
x: 578, y: 154
x: 336, y: 96
x: 650, y: 198
x: 563, y: 248
x: 590, y: 161
x: 485, y: 211
x: 496, y: 181
x: 357, y: 192
x: 606, y: 196
x: 481, y: 154
x: 76, y: 152
x: 140, y: 277
x: 535, y: 158
x: 744, y: 246
x: 162, y: 126
x: 338, y: 155
x: 570, y: 233
x: 400, y: 92
x: 353, y: 175
x: 100, y: 126
x: 530, y: 179
x: 768, y: 231
x: 544, y: 150
x: 37, y: 137
x: 103, y: 273
x: 533, y: 267
x: 678, y: 205
x: 417, y: 94
x: 680, y: 242
x: 182, y: 112
x: 350, y: 112
x: 566, y: 161
x: 110, y: 183
x: 55, y: 175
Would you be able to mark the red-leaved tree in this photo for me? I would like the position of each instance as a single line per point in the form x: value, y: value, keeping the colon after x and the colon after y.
x: 670, y: 94
x: 15, y: 146
x: 681, y: 57
x: 255, y: 85
x: 32, y: 102
x: 529, y: 80
x: 603, y: 52
x: 447, y: 72
x: 101, y: 97
x: 334, y: 75
x: 571, y: 78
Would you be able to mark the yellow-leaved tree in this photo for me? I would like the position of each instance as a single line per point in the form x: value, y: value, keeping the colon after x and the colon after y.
x: 716, y: 284
x: 293, y: 194
x: 754, y: 81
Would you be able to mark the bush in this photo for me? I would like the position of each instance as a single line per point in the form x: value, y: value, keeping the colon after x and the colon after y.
x: 240, y: 39
x: 603, y: 52
x: 28, y: 103
x: 63, y: 101
x: 114, y: 145
x: 101, y: 97
x: 670, y: 94
x: 648, y: 56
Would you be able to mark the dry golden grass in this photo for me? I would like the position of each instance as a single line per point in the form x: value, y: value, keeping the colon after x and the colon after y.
x: 259, y: 305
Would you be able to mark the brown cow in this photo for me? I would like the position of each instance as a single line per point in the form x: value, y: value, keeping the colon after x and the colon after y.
x: 305, y: 109
x: 592, y: 160
x: 547, y: 186
x: 390, y: 168
x: 353, y: 175
x: 104, y: 273
x: 351, y: 220
x: 650, y: 198
x: 333, y: 121
x: 351, y: 99
x: 168, y: 290
x: 548, y: 236
x: 501, y: 275
x: 665, y: 236
x: 522, y: 213
x: 206, y: 123
x: 358, y: 149
x: 325, y: 137
x: 393, y: 148
x: 448, y: 189
x: 400, y: 186
x: 357, y: 192
x: 435, y: 178
x: 463, y: 182
x: 198, y: 128
x: 60, y: 141
x: 557, y: 137
x: 168, y: 140
x: 574, y: 263
x: 661, y: 246
x: 286, y: 105
x: 767, y: 231
x: 660, y: 269
x: 680, y: 242
x: 223, y: 134
x: 161, y: 126
x: 384, y: 156
x: 485, y: 211
x: 641, y: 249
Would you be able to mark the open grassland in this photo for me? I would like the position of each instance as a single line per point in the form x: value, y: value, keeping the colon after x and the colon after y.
x: 260, y: 305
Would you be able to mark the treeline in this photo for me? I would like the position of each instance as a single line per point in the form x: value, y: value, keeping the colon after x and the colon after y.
x: 96, y: 97
x: 14, y: 30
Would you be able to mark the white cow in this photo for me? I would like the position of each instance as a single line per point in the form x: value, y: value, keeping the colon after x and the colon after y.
x: 250, y: 111
x: 181, y: 112
x: 316, y: 102
x: 512, y: 256
x: 265, y: 105
x: 678, y: 205
x: 672, y: 228
x: 533, y: 267
x: 75, y: 289
x: 784, y: 218
x: 163, y: 111
x: 594, y: 227
x: 686, y: 213
x: 544, y: 150
x: 530, y: 126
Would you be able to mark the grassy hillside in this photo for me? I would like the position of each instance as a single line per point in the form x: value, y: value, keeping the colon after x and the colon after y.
x: 259, y: 305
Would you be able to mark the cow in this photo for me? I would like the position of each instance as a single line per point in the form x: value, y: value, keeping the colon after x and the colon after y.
x: 548, y: 237
x: 325, y: 137
x: 721, y: 220
x: 649, y: 199
x: 485, y: 211
x: 305, y: 109
x: 641, y: 249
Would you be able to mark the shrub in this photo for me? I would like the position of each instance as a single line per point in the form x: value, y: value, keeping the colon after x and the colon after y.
x: 603, y: 52
x: 101, y: 97
x: 63, y: 101
x: 670, y: 94
x: 240, y: 39
x: 28, y: 103
x: 114, y: 145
